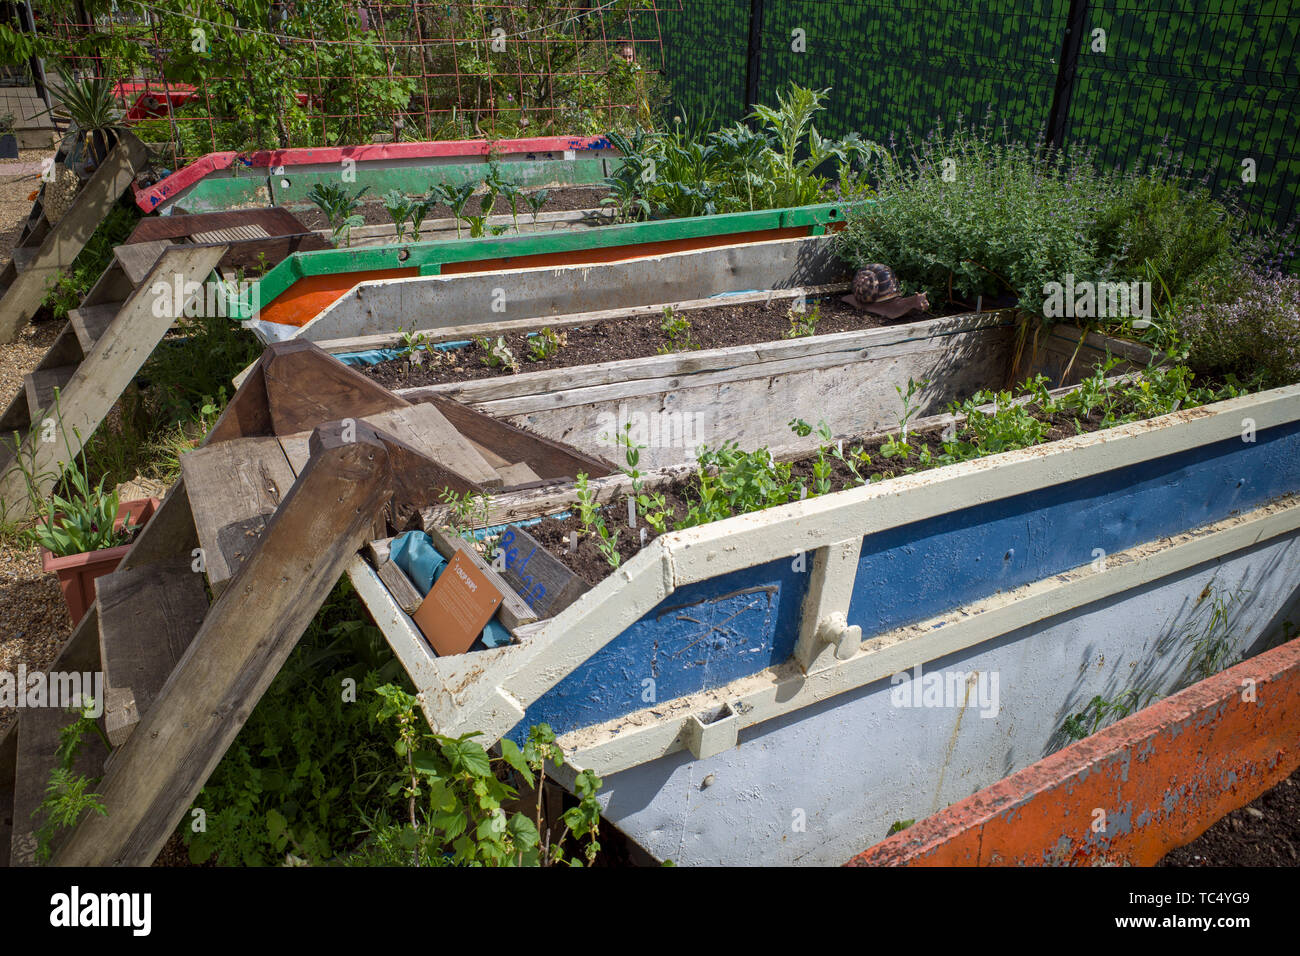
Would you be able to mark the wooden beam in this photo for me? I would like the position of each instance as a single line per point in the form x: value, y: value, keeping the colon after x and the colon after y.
x: 102, y: 377
x: 248, y: 634
x: 306, y: 386
x: 147, y: 617
x: 234, y: 489
x: 65, y: 240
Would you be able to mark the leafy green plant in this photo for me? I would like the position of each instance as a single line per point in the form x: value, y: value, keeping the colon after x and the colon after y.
x: 688, y: 170
x: 607, y: 543
x: 81, y: 519
x: 96, y: 118
x: 546, y: 344
x: 535, y: 201
x: 68, y: 796
x: 803, y: 321
x: 412, y: 341
x: 455, y: 798
x: 339, y: 206
x: 407, y: 214
x: 468, y: 511
x: 1101, y: 711
x: 678, y: 330
x: 497, y: 354
x: 457, y: 197
x: 310, y: 766
x: 967, y: 213
x: 586, y: 500
x: 70, y: 288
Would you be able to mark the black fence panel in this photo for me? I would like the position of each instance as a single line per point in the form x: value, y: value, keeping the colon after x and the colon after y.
x: 1214, y: 84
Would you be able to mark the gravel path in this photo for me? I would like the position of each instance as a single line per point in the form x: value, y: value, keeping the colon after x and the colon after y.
x: 33, y: 619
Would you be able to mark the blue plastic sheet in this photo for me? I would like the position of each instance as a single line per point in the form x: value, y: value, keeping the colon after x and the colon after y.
x: 414, y: 554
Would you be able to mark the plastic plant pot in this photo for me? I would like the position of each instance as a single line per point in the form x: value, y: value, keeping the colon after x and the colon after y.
x: 77, y: 572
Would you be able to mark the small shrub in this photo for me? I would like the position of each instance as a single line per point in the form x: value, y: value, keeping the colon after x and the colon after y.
x: 1245, y: 324
x: 1160, y: 226
x: 967, y: 214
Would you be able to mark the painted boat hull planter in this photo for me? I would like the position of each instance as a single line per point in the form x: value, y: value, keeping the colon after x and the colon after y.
x: 1161, y: 777
x: 77, y: 572
x: 834, y: 665
x: 219, y: 182
x: 303, y: 286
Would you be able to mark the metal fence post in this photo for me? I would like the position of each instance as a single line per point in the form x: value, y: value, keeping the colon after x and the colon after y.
x: 1071, y: 44
x: 755, y: 52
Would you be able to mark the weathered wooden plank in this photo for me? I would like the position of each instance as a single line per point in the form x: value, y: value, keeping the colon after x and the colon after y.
x: 297, y: 450
x: 514, y: 610
x: 38, y: 740
x: 138, y: 260
x: 147, y: 617
x: 305, y: 387
x: 42, y: 385
x: 90, y: 322
x: 541, y: 579
x: 424, y: 428
x: 808, y: 352
x: 61, y: 245
x: 244, y: 641
x: 234, y: 487
x: 491, y: 457
x: 548, y: 458
x: 517, y: 474
x: 103, y: 375
x: 8, y: 766
x: 405, y: 593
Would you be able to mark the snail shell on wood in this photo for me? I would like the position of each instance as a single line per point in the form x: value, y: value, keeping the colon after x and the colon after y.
x: 874, y: 282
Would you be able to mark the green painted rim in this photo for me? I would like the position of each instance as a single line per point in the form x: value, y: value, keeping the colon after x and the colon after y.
x: 429, y: 257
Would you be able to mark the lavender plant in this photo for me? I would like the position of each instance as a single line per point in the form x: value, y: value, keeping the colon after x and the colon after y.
x: 1245, y: 323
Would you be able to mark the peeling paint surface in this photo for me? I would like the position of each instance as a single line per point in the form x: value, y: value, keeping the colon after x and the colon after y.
x: 1202, y: 753
x: 917, y: 571
x: 703, y: 635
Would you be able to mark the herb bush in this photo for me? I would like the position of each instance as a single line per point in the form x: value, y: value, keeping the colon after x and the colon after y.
x: 966, y: 213
x: 1244, y: 322
x: 1164, y: 230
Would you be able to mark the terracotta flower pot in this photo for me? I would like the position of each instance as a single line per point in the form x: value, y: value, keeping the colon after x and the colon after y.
x: 77, y: 572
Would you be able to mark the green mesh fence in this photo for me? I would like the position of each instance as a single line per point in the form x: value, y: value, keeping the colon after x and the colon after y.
x: 1215, y: 83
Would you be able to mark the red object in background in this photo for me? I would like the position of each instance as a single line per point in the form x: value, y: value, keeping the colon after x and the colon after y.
x: 77, y: 572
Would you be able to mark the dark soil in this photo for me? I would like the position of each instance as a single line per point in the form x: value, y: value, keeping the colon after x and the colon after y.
x: 1263, y: 833
x: 589, y: 564
x: 562, y: 199
x: 719, y: 326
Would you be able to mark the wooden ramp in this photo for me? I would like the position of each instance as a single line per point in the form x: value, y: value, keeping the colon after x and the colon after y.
x: 101, y: 348
x: 45, y: 250
x: 301, y: 471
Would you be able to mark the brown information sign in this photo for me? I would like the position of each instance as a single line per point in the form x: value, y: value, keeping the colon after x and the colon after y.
x: 457, y: 607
